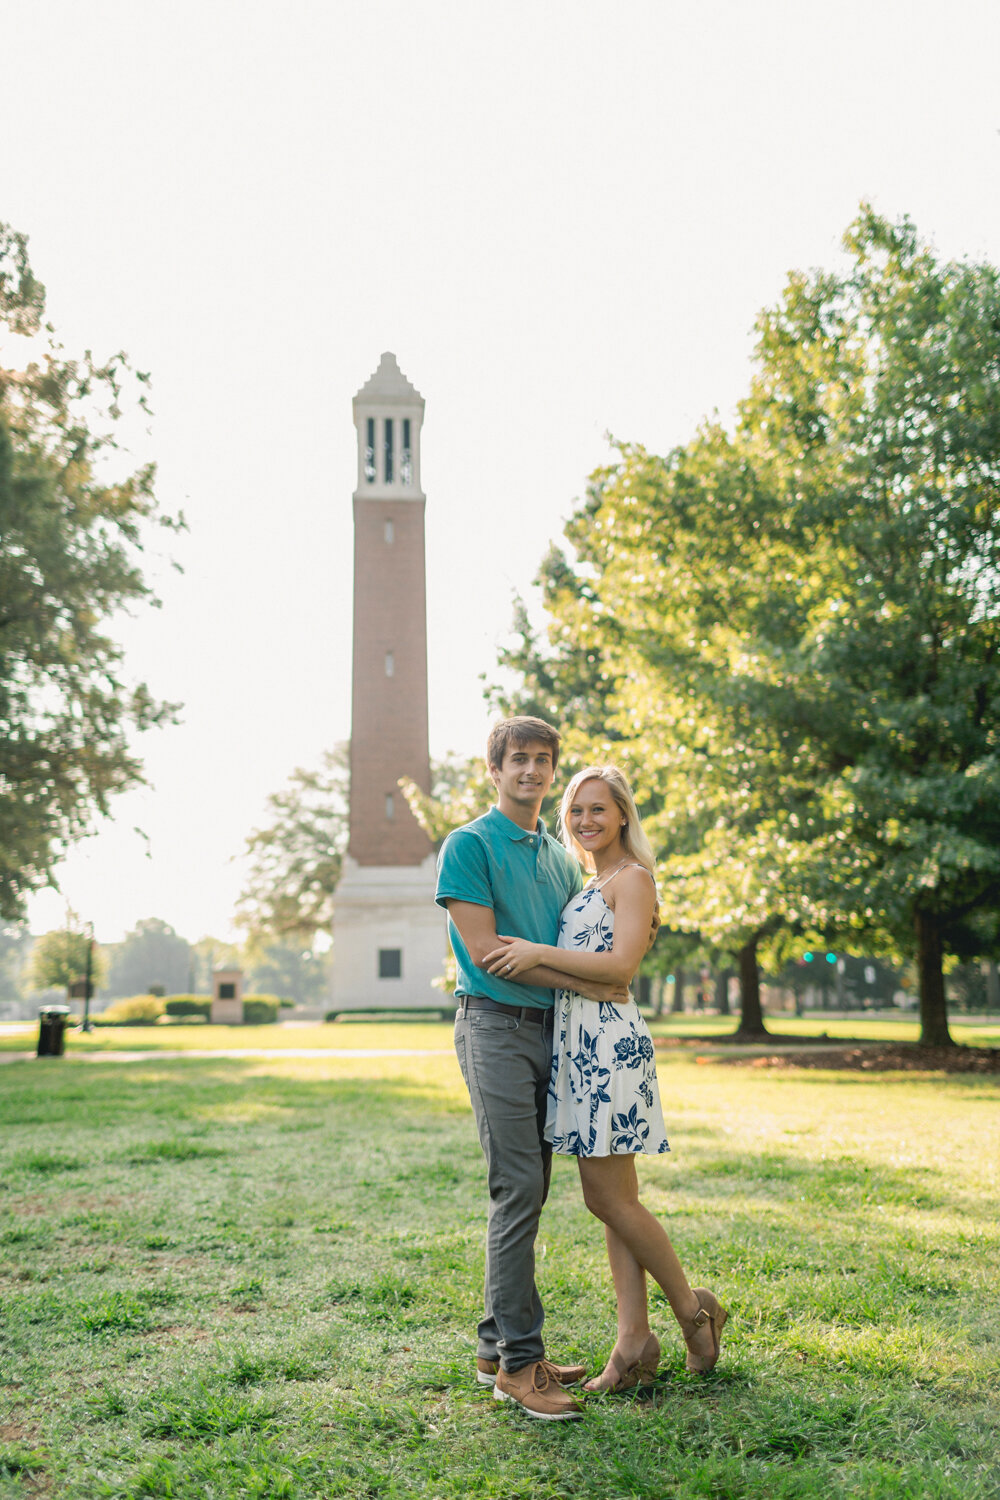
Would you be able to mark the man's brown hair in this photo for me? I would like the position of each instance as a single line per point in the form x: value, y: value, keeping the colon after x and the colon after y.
x: 520, y: 731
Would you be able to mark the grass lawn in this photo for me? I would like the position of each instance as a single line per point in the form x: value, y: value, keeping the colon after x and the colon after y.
x: 226, y: 1278
x: 885, y: 1026
x: 422, y: 1034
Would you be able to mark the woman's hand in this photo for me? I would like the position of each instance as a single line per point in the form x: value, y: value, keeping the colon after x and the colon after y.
x: 514, y: 956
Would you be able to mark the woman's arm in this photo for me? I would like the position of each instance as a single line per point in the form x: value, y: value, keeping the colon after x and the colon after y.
x: 635, y: 902
x: 477, y: 925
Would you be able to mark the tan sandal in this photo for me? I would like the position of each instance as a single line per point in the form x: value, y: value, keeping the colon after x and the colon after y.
x: 709, y: 1311
x: 641, y: 1371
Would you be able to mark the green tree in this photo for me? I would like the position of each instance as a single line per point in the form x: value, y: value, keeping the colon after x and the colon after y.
x: 72, y: 525
x: 805, y: 619
x: 288, y: 970
x: 59, y: 959
x: 584, y: 680
x: 295, y: 860
x: 211, y: 953
x: 15, y: 948
x: 151, y: 954
x: 461, y: 790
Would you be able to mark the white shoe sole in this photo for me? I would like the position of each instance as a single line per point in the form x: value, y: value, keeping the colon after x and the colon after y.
x: 540, y: 1416
x: 485, y: 1379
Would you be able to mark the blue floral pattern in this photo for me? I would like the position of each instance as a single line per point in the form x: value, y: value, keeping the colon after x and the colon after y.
x: 603, y: 1095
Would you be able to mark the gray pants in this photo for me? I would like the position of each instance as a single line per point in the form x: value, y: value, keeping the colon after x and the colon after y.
x: 506, y: 1063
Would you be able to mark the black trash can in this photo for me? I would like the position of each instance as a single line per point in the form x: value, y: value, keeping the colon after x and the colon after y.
x: 52, y: 1030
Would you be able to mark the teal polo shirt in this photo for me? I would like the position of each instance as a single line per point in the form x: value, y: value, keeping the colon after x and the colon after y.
x: 527, y: 878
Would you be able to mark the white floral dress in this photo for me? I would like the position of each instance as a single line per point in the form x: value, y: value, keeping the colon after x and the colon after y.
x: 603, y: 1095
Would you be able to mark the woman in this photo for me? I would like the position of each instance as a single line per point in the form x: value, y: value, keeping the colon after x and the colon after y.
x: 604, y: 1104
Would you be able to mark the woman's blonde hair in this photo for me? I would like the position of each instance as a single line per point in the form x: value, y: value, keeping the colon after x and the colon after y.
x: 634, y: 841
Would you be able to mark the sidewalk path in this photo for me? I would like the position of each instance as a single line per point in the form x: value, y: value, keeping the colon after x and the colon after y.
x: 155, y: 1054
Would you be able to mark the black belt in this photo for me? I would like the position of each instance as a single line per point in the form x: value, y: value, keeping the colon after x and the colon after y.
x: 520, y: 1012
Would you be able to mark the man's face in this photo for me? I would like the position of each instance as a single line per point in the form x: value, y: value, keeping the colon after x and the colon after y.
x: 526, y: 774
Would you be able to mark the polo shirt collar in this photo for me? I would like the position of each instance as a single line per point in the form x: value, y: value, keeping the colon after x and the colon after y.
x: 508, y: 827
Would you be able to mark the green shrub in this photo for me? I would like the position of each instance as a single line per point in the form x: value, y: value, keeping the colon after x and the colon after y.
x: 189, y: 1005
x: 139, y: 1010
x: 259, y: 1010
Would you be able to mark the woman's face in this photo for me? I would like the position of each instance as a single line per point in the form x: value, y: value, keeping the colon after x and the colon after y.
x: 594, y: 818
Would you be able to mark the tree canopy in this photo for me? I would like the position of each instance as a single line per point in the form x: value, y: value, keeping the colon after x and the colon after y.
x: 294, y: 861
x: 72, y: 524
x: 793, y: 626
x: 151, y: 954
x: 59, y: 959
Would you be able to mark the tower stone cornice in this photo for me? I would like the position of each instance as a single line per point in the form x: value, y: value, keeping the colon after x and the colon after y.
x: 388, y: 386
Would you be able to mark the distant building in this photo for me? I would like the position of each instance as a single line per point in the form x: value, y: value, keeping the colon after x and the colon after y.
x: 389, y: 938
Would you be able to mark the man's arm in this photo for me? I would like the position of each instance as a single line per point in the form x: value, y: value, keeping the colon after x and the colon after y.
x: 635, y: 899
x: 478, y: 927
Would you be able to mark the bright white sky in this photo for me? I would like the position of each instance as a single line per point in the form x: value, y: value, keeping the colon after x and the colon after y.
x: 561, y: 215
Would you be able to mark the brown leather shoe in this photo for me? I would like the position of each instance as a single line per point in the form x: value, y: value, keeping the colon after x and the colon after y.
x: 486, y: 1372
x: 565, y: 1374
x: 535, y: 1391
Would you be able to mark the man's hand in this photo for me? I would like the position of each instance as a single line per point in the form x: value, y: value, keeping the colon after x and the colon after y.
x: 590, y: 989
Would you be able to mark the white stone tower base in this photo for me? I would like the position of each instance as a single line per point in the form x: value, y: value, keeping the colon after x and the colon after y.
x: 389, y: 939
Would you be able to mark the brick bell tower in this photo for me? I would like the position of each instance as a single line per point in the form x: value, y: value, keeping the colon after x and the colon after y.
x: 389, y: 939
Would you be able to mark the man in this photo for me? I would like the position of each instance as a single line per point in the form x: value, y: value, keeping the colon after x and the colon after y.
x: 504, y: 874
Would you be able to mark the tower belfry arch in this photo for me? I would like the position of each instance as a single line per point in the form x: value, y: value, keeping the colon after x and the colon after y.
x: 389, y: 939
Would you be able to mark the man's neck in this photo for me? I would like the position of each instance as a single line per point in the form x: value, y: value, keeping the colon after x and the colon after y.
x: 524, y: 817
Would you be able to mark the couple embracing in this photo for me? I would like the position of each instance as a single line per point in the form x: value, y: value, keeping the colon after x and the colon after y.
x: 576, y: 1076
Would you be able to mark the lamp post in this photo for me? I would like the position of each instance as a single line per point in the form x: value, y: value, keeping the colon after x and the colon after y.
x: 87, y: 979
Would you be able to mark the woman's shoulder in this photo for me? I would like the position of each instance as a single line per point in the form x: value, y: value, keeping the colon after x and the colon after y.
x: 632, y: 883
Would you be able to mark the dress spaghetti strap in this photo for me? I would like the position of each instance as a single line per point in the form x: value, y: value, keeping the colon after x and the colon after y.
x: 631, y: 864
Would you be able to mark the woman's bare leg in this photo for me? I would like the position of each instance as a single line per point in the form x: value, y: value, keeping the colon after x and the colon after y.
x: 637, y: 1241
x: 630, y: 1290
x: 633, y: 1310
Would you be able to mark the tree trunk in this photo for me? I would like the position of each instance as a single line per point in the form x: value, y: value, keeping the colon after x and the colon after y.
x: 659, y: 986
x: 677, y: 1007
x: 722, y: 992
x: 751, y: 1015
x: 933, y: 1003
